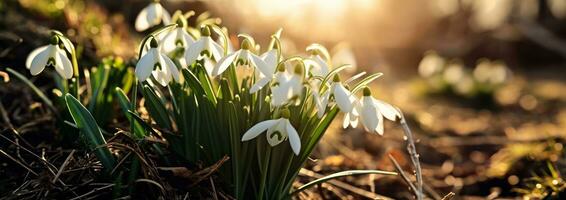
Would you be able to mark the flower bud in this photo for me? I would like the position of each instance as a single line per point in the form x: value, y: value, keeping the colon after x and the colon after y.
x: 246, y: 44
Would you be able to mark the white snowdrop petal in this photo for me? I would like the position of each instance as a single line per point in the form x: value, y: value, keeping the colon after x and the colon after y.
x: 277, y: 134
x: 388, y: 111
x: 258, y: 129
x: 194, y: 51
x: 174, y: 72
x: 168, y: 43
x: 216, y: 50
x: 260, y: 64
x: 38, y: 62
x: 145, y: 65
x: 342, y: 97
x: 63, y: 66
x: 224, y: 63
x: 165, y: 16
x: 33, y: 54
x: 294, y: 139
x: 141, y: 20
x: 379, y: 128
x: 260, y: 84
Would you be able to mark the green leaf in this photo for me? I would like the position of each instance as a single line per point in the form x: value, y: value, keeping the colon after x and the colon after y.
x: 156, y: 107
x: 365, y: 81
x: 89, y: 128
x: 124, y: 102
x: 341, y: 174
x: 34, y: 88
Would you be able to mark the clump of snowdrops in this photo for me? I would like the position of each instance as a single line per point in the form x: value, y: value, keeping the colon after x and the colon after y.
x: 264, y: 110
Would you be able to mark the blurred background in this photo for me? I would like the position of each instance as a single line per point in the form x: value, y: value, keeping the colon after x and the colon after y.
x: 482, y: 82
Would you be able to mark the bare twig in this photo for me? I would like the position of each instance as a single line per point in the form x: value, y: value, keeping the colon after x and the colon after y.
x: 95, y: 190
x: 414, y: 156
x: 402, y: 172
x: 62, y: 168
x: 18, y: 162
x: 449, y: 196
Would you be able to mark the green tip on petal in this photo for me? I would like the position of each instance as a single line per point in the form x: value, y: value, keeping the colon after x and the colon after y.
x: 367, y: 92
x: 299, y: 68
x: 54, y: 40
x: 246, y: 44
x: 336, y: 78
x: 285, y: 113
x: 281, y: 67
x: 153, y: 43
x: 205, y: 31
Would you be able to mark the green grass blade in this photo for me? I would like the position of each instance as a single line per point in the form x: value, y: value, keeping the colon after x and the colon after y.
x: 341, y: 174
x: 365, y: 81
x: 33, y: 87
x: 89, y: 128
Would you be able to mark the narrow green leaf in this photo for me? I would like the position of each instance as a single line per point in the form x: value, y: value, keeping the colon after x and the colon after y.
x: 124, y: 102
x: 156, y: 107
x: 365, y: 81
x: 89, y: 128
x: 341, y: 174
x: 34, y: 88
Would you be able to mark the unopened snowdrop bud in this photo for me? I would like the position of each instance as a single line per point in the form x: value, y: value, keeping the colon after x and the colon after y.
x: 52, y: 55
x: 156, y: 63
x: 277, y: 131
x: 342, y: 96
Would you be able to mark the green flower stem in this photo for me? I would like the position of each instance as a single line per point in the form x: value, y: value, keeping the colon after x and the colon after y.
x: 264, y: 168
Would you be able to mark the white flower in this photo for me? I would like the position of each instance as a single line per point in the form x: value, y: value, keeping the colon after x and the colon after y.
x: 319, y: 54
x: 271, y: 61
x: 351, y: 118
x: 287, y: 87
x: 321, y: 102
x: 372, y: 111
x: 277, y: 131
x: 152, y: 15
x: 343, y: 97
x: 244, y: 56
x: 156, y: 63
x: 205, y: 44
x: 50, y: 55
x: 178, y: 37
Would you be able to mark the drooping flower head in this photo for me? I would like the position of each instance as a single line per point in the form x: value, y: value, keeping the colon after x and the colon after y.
x: 204, y: 47
x: 287, y: 86
x: 343, y: 97
x: 244, y: 56
x: 178, y: 38
x: 372, y: 112
x: 50, y: 55
x: 156, y: 63
x: 152, y: 15
x: 278, y: 130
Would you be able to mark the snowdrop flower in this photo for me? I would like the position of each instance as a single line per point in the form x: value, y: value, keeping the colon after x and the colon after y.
x: 271, y: 61
x: 320, y: 67
x: 177, y: 38
x: 244, y: 56
x: 287, y: 86
x: 152, y: 15
x: 277, y: 131
x: 372, y: 112
x: 343, y: 97
x: 206, y: 46
x: 156, y: 63
x: 321, y: 102
x: 50, y: 55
